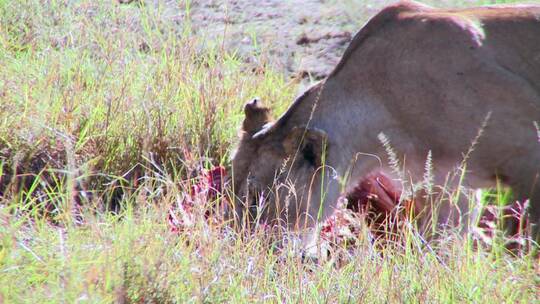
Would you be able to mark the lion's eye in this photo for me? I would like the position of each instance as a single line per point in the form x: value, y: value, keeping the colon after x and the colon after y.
x: 309, y: 155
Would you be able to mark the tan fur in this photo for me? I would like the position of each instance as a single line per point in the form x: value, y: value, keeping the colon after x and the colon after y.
x: 426, y: 78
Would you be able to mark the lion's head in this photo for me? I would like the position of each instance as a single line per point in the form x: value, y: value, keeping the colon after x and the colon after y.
x: 276, y: 169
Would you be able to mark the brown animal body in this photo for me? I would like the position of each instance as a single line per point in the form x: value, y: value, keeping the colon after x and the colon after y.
x: 427, y: 79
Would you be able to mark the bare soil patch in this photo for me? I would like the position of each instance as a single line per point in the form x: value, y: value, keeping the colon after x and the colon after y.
x: 302, y: 38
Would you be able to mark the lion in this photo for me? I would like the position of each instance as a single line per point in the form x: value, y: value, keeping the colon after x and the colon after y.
x: 459, y: 85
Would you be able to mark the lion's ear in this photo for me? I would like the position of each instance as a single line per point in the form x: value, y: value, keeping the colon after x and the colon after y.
x: 308, y: 143
x: 257, y: 116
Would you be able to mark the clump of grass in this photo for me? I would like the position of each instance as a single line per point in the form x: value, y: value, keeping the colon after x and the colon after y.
x: 132, y: 256
x: 110, y: 87
x: 102, y: 102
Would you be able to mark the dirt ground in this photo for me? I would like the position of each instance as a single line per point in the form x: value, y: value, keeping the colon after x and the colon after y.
x: 302, y: 38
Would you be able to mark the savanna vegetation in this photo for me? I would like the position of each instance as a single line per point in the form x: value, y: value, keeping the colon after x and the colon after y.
x: 109, y: 114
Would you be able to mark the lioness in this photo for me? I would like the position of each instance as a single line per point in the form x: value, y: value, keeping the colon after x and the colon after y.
x: 461, y: 85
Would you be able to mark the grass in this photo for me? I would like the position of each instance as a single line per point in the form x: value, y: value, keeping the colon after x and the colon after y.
x: 133, y: 257
x: 108, y: 106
